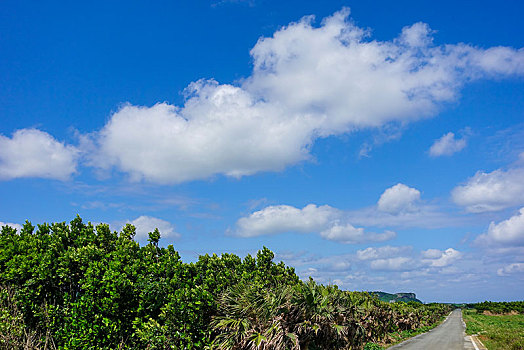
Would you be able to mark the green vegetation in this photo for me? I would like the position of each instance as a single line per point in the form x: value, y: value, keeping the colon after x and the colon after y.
x: 504, y: 332
x: 82, y: 287
x: 499, y: 307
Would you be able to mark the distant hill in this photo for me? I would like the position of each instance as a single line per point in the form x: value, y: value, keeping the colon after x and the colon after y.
x: 392, y: 298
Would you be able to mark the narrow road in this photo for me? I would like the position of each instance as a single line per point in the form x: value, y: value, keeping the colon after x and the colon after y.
x: 448, y: 336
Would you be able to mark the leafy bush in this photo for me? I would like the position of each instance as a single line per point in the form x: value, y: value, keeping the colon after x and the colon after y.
x: 76, y: 286
x: 88, y: 287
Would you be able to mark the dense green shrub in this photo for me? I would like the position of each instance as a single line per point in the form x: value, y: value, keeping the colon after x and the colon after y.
x: 88, y: 287
x: 78, y: 286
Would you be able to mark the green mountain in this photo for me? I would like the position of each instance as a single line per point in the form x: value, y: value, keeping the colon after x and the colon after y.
x: 392, y: 298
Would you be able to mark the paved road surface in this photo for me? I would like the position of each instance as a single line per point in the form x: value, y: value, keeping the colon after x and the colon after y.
x: 448, y: 336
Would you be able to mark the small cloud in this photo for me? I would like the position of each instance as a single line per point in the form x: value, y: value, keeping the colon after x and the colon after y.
x: 511, y: 269
x: 381, y: 252
x: 399, y: 198
x: 35, y: 153
x: 400, y: 263
x: 351, y: 235
x: 437, y: 258
x: 447, y: 145
x: 340, y: 265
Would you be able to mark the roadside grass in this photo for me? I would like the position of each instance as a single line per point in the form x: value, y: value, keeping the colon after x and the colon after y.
x: 504, y: 332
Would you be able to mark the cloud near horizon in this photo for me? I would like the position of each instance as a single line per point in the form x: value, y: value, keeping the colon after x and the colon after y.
x: 327, y: 221
x: 308, y: 82
x: 398, y: 206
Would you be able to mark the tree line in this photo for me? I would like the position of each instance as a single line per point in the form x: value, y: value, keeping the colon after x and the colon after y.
x: 500, y: 307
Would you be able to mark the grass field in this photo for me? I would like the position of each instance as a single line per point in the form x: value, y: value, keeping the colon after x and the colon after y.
x: 504, y: 332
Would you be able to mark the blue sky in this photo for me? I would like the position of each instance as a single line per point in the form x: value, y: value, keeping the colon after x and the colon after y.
x: 377, y: 146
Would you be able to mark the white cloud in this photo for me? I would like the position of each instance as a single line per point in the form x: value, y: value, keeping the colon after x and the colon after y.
x: 307, y: 82
x: 34, y: 153
x: 145, y: 224
x: 18, y: 227
x: 437, y: 258
x: 447, y: 145
x: 491, y: 191
x: 511, y: 269
x: 432, y: 254
x: 221, y: 130
x: 324, y: 220
x: 498, y: 60
x: 381, y: 252
x: 347, y: 233
x: 507, y: 232
x: 399, y: 259
x: 400, y: 206
x: 400, y: 263
x: 285, y: 218
x: 399, y: 198
x: 336, y: 72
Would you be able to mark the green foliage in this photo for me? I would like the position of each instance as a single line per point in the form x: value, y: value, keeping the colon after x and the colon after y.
x: 76, y: 286
x: 79, y: 286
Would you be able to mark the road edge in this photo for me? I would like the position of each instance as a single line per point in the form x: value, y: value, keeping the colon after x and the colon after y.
x: 393, y: 347
x: 476, y: 342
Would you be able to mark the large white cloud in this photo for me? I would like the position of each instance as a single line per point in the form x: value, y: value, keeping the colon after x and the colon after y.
x: 325, y: 220
x: 221, y: 129
x: 399, y: 198
x: 447, y: 145
x: 307, y: 82
x: 334, y: 71
x: 145, y: 224
x: 508, y: 232
x: 34, y: 153
x: 492, y: 191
